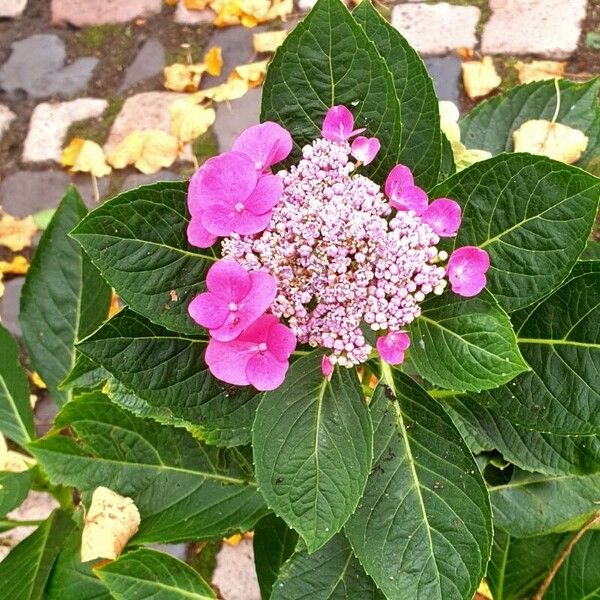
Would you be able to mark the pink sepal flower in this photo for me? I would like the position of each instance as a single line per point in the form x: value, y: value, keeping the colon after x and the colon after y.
x: 259, y: 356
x: 443, y: 216
x: 466, y: 270
x: 338, y: 125
x: 235, y: 299
x: 198, y: 235
x: 402, y: 192
x: 365, y: 149
x: 326, y: 366
x: 266, y: 144
x: 391, y: 346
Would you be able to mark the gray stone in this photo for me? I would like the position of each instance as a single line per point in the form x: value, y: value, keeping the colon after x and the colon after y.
x: 9, y: 305
x: 150, y: 61
x: 548, y: 28
x: 12, y: 8
x: 445, y: 72
x: 235, y: 116
x: 37, y: 68
x: 85, y: 13
x: 136, y: 179
x: 234, y: 574
x: 436, y: 29
x: 7, y: 116
x: 186, y: 16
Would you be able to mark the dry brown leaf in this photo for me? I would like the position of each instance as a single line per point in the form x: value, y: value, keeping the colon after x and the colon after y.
x: 480, y: 77
x: 148, y: 150
x: 183, y: 78
x: 85, y: 156
x: 16, y: 234
x: 268, y: 41
x: 189, y: 120
x: 553, y: 140
x: 109, y: 524
x: 540, y: 70
x: 465, y: 53
x: 115, y: 305
x: 213, y: 61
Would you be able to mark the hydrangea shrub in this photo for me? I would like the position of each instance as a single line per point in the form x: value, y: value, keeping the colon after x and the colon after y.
x: 387, y: 369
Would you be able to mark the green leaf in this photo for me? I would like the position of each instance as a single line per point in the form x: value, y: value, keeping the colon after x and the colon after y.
x: 14, y: 488
x: 16, y: 416
x: 331, y: 573
x: 465, y: 343
x: 529, y: 450
x: 421, y: 146
x: 183, y: 489
x: 147, y: 573
x: 312, y: 440
x: 423, y: 526
x: 541, y: 504
x: 531, y: 214
x: 329, y: 60
x: 85, y: 374
x: 25, y: 571
x: 592, y: 250
x: 63, y: 299
x: 490, y: 125
x: 274, y: 542
x: 166, y: 370
x: 138, y: 241
x: 560, y: 339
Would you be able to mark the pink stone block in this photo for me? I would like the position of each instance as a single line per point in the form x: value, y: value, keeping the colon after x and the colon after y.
x: 86, y: 13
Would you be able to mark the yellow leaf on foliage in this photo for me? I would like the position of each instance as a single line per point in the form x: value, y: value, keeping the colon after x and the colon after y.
x: 553, y: 140
x: 480, y: 77
x: 253, y: 73
x: 189, y: 120
x: 213, y: 61
x: 183, y: 78
x: 109, y: 524
x: 115, y: 305
x: 268, y: 41
x: 85, y: 156
x: 16, y: 234
x: 38, y: 381
x: 540, y: 70
x: 19, y: 265
x: 149, y: 151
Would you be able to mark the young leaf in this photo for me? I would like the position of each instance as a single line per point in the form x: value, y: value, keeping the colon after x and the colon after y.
x: 183, y: 489
x: 331, y: 573
x: 423, y: 526
x: 24, y: 572
x: 531, y: 214
x: 328, y: 60
x: 129, y: 347
x: 63, y: 299
x: 147, y: 573
x: 312, y: 440
x: 421, y: 145
x: 14, y: 488
x: 138, y: 241
x: 274, y: 542
x: 465, y: 343
x: 16, y: 417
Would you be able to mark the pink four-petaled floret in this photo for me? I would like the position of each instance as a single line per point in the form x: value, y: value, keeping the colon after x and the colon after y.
x: 466, y: 270
x: 391, y: 347
x: 266, y: 144
x: 402, y: 192
x: 443, y: 216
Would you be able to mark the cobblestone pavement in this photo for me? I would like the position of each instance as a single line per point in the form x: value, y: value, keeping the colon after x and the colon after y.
x: 93, y: 69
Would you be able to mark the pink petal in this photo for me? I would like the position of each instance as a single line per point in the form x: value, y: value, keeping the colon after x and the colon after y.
x: 219, y: 219
x: 391, y: 347
x: 338, y: 124
x: 198, y: 235
x: 266, y: 194
x: 229, y: 281
x: 247, y: 223
x: 266, y: 144
x: 326, y: 366
x: 409, y: 198
x: 466, y: 270
x: 259, y: 330
x: 208, y: 310
x: 223, y: 179
x: 265, y: 372
x: 281, y: 342
x: 443, y: 216
x: 399, y: 176
x: 227, y: 360
x: 365, y: 149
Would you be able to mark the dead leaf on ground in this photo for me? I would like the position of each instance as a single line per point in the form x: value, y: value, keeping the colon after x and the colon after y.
x: 553, y: 140
x: 248, y: 13
x: 16, y: 234
x: 449, y: 116
x: 540, y: 70
x: 190, y: 120
x: 253, y: 73
x: 196, y: 4
x: 465, y: 53
x: 38, y: 381
x: 268, y: 41
x: 110, y: 523
x: 213, y: 61
x: 19, y: 265
x: 85, y: 156
x: 480, y: 77
x: 13, y: 461
x: 149, y: 151
x: 183, y: 78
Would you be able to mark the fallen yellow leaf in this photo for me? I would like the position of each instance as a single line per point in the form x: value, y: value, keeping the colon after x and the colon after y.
x: 109, y: 524
x: 480, y: 77
x: 148, y: 150
x: 540, y: 70
x: 19, y: 265
x: 268, y: 41
x: 213, y: 61
x: 16, y: 234
x: 553, y: 140
x: 37, y: 380
x: 183, y: 78
x: 230, y: 90
x: 13, y: 461
x: 249, y: 13
x: 233, y: 540
x: 189, y: 120
x: 196, y: 4
x: 449, y: 120
x: 253, y: 73
x: 85, y: 156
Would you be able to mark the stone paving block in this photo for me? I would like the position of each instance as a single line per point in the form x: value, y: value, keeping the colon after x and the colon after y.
x: 136, y: 179
x: 235, y: 116
x: 7, y: 116
x: 37, y: 67
x: 49, y: 125
x: 12, y: 8
x: 9, y: 310
x: 234, y: 574
x: 549, y: 28
x: 86, y: 13
x: 192, y: 17
x: 149, y: 61
x: 436, y: 29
